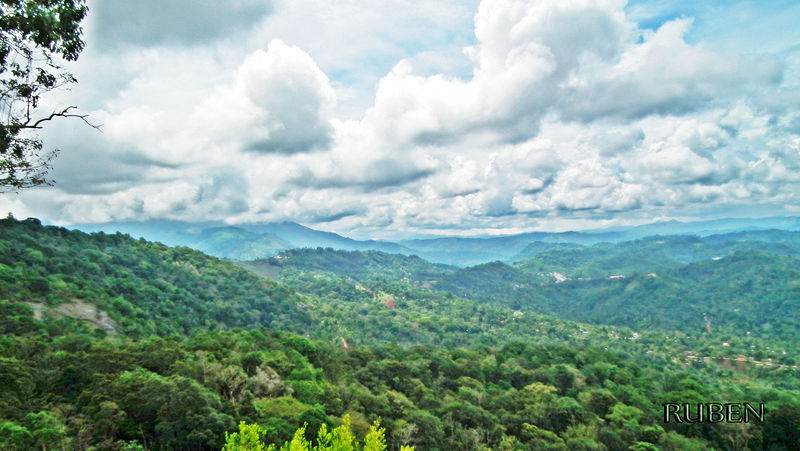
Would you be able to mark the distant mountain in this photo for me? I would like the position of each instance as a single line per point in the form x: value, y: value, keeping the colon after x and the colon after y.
x: 743, y: 281
x: 705, y: 228
x: 241, y: 242
x: 358, y: 264
x: 651, y: 253
x: 171, y: 233
x: 539, y: 247
x: 303, y: 237
x: 138, y: 288
x: 465, y: 252
x: 262, y: 240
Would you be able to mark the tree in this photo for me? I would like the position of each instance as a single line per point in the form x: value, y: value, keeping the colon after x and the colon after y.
x: 15, y: 437
x: 46, y: 429
x: 375, y: 440
x: 250, y: 438
x: 33, y: 35
x: 247, y: 439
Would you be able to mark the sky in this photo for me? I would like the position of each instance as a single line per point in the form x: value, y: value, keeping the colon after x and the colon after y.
x: 391, y: 118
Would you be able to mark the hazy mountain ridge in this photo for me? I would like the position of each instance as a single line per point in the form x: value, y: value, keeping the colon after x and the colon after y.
x: 263, y: 240
x: 239, y: 242
x: 658, y: 251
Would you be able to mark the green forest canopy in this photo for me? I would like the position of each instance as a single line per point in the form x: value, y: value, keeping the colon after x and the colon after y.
x: 191, y: 358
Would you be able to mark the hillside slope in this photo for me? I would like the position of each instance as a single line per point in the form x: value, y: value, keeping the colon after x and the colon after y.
x: 147, y: 288
x: 749, y: 291
x: 641, y: 284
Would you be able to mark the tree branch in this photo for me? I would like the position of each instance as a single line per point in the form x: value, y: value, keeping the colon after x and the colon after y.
x: 63, y: 113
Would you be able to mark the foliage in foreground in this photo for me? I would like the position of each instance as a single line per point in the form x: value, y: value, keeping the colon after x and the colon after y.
x: 75, y: 391
x: 34, y: 34
x: 250, y: 437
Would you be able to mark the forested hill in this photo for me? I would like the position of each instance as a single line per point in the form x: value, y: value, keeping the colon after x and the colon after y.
x: 742, y: 282
x: 133, y: 286
x: 362, y: 264
x: 652, y: 253
x: 748, y: 292
x: 120, y: 285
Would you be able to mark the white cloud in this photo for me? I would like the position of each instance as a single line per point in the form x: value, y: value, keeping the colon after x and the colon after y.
x: 556, y: 110
x: 675, y: 165
x: 279, y: 103
x: 663, y: 75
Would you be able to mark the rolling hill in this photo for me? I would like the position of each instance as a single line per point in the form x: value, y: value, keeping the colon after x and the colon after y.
x: 737, y: 283
x: 146, y: 288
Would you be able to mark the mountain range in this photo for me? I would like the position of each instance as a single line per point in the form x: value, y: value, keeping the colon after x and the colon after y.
x: 251, y: 241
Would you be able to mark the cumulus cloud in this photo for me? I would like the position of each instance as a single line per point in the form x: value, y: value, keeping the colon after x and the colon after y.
x: 674, y: 165
x: 357, y: 42
x: 579, y: 60
x: 152, y: 161
x: 662, y: 75
x: 556, y: 111
x: 279, y: 103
